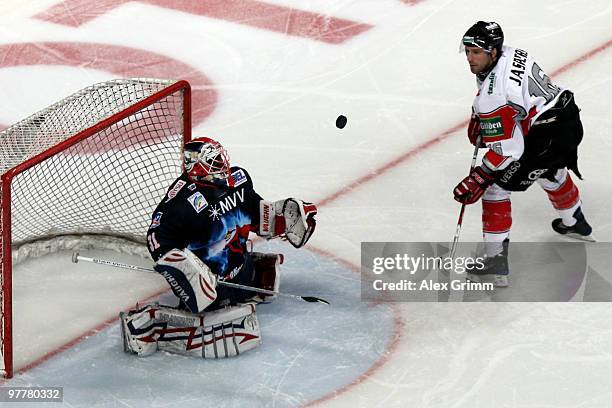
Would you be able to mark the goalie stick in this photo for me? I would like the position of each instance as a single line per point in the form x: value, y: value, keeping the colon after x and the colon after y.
x: 311, y: 299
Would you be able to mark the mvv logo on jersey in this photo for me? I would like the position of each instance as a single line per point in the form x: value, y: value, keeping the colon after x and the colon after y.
x: 227, y: 204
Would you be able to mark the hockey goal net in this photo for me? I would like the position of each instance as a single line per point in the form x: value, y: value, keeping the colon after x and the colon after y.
x: 96, y: 162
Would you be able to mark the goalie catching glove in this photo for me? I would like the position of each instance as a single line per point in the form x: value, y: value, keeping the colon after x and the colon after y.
x: 291, y: 218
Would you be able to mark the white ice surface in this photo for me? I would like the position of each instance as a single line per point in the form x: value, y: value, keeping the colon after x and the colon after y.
x: 400, y: 84
x: 309, y: 349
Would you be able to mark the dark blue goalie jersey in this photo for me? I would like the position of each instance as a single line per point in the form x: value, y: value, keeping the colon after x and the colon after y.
x: 214, y: 223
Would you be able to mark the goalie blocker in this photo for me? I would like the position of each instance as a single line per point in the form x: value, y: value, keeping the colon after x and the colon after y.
x: 191, y: 280
x: 195, y: 284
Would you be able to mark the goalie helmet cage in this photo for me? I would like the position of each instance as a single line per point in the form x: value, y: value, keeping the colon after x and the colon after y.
x: 97, y: 162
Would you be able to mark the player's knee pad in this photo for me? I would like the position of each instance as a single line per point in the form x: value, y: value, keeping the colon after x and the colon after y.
x: 221, y: 333
x: 267, y: 274
x: 553, y: 183
x: 191, y: 280
x: 496, y: 216
x: 496, y: 193
x: 562, y: 192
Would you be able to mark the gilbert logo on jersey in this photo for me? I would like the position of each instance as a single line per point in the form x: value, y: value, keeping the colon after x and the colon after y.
x: 491, y: 127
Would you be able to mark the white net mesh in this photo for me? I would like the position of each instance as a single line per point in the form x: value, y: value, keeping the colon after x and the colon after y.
x: 119, y: 148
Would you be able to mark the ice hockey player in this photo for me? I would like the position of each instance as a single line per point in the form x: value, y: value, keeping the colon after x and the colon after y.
x: 197, y: 236
x: 531, y: 128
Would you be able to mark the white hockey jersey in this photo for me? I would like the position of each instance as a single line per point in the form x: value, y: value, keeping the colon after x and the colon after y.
x: 509, y: 100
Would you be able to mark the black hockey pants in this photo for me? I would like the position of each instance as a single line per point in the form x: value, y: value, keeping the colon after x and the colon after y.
x: 552, y: 144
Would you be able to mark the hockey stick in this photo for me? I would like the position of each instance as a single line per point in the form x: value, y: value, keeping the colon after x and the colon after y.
x: 311, y: 299
x: 460, y: 221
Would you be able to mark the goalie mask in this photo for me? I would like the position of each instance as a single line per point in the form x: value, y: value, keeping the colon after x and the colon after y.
x: 206, y: 161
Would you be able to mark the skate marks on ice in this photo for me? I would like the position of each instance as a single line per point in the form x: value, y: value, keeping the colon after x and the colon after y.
x: 308, y: 352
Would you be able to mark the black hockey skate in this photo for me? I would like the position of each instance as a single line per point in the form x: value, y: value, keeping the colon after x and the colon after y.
x: 495, y: 269
x: 581, y: 230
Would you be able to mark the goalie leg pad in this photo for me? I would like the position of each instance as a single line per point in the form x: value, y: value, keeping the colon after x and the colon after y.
x: 222, y: 333
x: 230, y: 331
x: 156, y: 327
x: 191, y: 280
x: 138, y: 331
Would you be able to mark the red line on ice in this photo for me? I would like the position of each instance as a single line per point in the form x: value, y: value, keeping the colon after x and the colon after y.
x: 76, y: 340
x: 398, y: 326
x: 390, y: 165
x: 582, y: 58
x: 347, y: 189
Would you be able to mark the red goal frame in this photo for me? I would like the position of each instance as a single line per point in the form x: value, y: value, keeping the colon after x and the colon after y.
x: 8, y: 176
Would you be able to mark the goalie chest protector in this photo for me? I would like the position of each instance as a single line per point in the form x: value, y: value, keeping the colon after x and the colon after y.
x: 212, y: 222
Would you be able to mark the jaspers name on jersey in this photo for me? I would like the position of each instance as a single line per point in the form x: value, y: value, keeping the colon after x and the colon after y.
x: 518, y: 65
x: 213, y: 223
x: 510, y: 99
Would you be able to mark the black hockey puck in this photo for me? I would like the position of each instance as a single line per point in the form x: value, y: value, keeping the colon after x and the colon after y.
x: 341, y: 122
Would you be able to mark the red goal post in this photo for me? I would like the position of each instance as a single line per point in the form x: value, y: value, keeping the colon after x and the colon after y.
x: 95, y: 163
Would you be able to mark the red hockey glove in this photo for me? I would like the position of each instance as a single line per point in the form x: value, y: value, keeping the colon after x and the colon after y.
x: 473, y: 186
x: 473, y: 131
